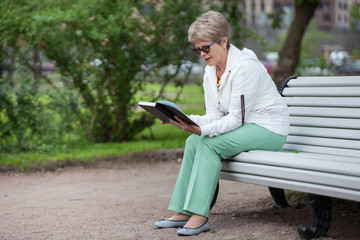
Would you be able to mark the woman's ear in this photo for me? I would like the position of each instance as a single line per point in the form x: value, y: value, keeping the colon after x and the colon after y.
x: 224, y: 42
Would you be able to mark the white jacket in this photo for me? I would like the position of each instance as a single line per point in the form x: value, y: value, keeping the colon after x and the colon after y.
x: 246, y: 94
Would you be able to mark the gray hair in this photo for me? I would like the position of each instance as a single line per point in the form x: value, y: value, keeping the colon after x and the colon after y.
x: 211, y: 26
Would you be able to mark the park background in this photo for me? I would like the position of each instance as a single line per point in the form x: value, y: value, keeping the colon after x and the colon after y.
x: 72, y: 72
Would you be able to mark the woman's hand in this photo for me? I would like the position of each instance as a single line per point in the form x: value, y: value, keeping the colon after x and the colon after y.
x: 186, y: 127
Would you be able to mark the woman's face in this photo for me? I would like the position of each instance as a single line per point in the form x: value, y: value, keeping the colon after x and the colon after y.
x: 217, y: 55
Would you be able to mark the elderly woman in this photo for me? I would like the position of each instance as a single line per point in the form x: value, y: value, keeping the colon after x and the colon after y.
x: 244, y: 111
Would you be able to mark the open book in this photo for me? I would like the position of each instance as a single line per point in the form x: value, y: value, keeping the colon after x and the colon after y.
x: 165, y: 110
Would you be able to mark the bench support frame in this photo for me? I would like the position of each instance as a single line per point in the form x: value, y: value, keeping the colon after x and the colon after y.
x: 279, y: 197
x: 320, y: 213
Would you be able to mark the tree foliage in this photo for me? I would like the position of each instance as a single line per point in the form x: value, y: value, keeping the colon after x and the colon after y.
x: 104, y: 52
x: 310, y: 44
x: 99, y: 48
x: 355, y: 15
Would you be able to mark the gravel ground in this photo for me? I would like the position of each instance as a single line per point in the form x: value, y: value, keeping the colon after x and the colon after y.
x: 120, y: 199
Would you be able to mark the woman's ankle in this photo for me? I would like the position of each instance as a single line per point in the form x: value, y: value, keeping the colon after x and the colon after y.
x: 196, y: 221
x: 179, y: 217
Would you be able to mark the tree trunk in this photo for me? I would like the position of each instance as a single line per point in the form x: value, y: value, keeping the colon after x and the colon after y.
x: 11, y: 71
x: 2, y: 65
x: 290, y: 52
x: 37, y: 66
x: 121, y: 112
x: 94, y: 111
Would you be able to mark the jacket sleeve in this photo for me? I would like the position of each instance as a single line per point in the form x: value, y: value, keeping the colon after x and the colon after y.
x: 212, y: 112
x: 206, y: 119
x: 243, y: 95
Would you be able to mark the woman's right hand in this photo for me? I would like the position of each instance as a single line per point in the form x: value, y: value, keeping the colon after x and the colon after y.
x: 186, y: 127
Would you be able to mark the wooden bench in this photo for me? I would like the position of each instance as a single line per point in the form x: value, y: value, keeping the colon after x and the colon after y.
x: 322, y: 152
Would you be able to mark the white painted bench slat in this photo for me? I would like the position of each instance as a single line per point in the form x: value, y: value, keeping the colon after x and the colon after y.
x: 324, y: 112
x: 325, y: 132
x: 323, y: 101
x: 323, y: 142
x: 323, y: 91
x: 325, y: 122
x: 345, y: 166
x: 294, y: 185
x: 328, y: 81
x: 318, y: 81
x: 291, y: 155
x: 324, y: 150
x: 301, y: 175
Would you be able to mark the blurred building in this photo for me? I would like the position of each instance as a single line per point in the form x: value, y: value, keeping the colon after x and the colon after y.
x: 333, y: 14
x: 330, y: 14
x: 257, y: 11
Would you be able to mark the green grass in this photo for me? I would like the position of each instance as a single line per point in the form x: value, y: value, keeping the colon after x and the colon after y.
x: 191, y: 94
x: 85, y: 154
x: 165, y: 137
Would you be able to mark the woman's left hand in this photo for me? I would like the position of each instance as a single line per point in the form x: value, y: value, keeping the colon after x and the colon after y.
x: 186, y: 127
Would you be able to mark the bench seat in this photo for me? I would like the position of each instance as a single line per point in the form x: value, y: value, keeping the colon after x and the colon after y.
x: 321, y: 155
x: 303, y: 172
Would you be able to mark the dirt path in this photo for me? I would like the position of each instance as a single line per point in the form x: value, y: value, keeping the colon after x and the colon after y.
x: 122, y: 201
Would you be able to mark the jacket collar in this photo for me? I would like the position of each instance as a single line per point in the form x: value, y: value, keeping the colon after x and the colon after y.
x: 236, y: 55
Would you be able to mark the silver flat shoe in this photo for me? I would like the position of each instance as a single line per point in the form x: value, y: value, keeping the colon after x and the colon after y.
x: 194, y: 231
x: 163, y: 223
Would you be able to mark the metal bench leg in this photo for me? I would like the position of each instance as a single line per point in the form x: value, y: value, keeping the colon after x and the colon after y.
x: 279, y: 197
x: 215, y: 196
x: 320, y: 214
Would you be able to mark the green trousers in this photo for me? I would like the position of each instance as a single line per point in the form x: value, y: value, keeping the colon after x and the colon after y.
x: 201, y: 164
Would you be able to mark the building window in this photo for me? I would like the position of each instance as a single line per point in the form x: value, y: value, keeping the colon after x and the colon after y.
x: 277, y: 6
x: 253, y: 11
x: 340, y: 5
x: 324, y: 6
x: 326, y: 17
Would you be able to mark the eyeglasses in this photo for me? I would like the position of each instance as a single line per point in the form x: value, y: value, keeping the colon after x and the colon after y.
x: 205, y: 49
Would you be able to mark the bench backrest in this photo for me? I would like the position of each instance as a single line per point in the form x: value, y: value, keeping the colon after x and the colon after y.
x: 324, y: 114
